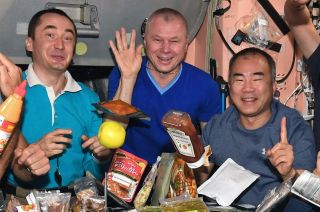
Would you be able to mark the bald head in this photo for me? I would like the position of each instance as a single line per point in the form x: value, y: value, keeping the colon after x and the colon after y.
x: 167, y: 15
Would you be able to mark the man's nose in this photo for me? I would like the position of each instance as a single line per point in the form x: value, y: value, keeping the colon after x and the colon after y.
x: 248, y: 85
x: 165, y: 46
x: 59, y: 43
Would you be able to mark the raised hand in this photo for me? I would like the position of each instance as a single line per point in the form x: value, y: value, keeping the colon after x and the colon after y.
x: 96, y: 148
x: 128, y: 57
x: 10, y: 76
x: 317, y: 170
x: 55, y: 142
x: 33, y: 158
x: 281, y: 155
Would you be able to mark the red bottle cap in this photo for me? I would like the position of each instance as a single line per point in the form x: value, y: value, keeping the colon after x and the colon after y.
x: 21, y: 89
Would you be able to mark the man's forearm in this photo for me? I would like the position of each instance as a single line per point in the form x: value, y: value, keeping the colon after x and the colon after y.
x: 19, y: 171
x: 299, y: 20
x: 7, y: 155
x: 202, y: 173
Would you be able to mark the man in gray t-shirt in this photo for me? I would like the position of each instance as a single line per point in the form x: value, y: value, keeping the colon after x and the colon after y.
x: 260, y: 133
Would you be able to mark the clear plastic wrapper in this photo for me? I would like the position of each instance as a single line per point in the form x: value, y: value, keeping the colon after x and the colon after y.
x: 275, y: 196
x: 2, y: 202
x: 162, y: 183
x: 53, y: 201
x: 85, y: 187
x: 12, y: 204
x: 93, y: 204
x: 182, y: 180
x: 183, y: 203
x: 143, y: 195
x: 260, y: 28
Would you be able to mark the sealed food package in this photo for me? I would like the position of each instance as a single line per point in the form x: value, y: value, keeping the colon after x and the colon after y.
x: 145, y: 191
x: 183, y: 203
x: 85, y: 187
x: 185, y: 137
x: 93, y: 204
x: 275, y: 196
x: 53, y: 201
x: 120, y: 108
x: 162, y: 183
x: 182, y: 180
x: 124, y: 174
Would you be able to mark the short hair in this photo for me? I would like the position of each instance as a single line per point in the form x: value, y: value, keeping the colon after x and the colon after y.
x: 250, y: 52
x: 168, y: 14
x: 35, y: 20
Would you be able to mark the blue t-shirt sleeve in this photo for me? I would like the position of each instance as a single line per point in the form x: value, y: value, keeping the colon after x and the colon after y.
x: 302, y: 140
x: 113, y: 82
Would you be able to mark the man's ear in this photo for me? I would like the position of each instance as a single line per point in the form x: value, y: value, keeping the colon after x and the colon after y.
x: 28, y: 44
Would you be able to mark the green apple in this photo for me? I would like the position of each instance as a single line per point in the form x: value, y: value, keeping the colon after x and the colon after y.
x: 111, y: 134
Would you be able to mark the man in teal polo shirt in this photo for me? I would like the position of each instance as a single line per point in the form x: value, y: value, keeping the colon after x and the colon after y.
x: 58, y: 113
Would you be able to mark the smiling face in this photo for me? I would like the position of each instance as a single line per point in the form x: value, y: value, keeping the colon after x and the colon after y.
x: 166, y: 43
x: 53, y: 44
x: 252, y: 87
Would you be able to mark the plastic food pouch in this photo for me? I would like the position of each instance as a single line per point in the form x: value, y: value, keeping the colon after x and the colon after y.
x: 183, y: 203
x: 182, y: 180
x: 53, y: 201
x: 125, y: 174
x: 145, y: 191
x: 275, y: 196
x: 85, y: 187
x: 163, y: 178
x: 93, y: 204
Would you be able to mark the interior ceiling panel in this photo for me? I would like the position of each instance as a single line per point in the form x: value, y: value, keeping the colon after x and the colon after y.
x: 96, y: 19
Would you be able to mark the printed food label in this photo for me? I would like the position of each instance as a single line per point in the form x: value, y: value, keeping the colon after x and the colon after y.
x: 124, y: 174
x: 4, y: 137
x: 182, y: 142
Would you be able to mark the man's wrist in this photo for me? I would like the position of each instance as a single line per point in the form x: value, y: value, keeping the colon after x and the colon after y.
x: 104, y: 159
x: 291, y: 175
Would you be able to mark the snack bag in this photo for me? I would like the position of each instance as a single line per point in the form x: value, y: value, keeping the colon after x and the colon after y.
x: 125, y: 174
x: 85, y: 187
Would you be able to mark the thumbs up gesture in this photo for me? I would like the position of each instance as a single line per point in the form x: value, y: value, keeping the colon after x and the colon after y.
x: 281, y: 155
x: 317, y: 170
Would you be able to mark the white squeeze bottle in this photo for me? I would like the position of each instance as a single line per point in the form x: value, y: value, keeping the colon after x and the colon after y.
x: 10, y: 111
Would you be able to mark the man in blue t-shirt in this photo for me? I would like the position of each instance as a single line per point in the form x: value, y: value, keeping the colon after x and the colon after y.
x: 258, y: 132
x: 160, y: 82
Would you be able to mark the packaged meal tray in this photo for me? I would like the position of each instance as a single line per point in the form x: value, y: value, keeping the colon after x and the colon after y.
x: 120, y: 108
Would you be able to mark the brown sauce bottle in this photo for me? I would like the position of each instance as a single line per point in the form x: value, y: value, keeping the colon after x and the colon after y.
x: 184, y: 135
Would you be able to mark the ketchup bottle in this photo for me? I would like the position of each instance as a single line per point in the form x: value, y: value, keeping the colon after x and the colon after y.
x: 10, y: 111
x: 185, y: 138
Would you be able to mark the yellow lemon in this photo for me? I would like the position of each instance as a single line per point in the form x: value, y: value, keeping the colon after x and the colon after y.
x: 111, y: 134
